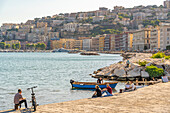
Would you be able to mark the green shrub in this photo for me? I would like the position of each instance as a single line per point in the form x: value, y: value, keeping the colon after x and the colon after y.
x: 167, y: 57
x: 154, y: 71
x: 142, y: 63
x: 158, y: 55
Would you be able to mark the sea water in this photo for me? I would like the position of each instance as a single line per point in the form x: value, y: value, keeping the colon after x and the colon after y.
x: 51, y: 72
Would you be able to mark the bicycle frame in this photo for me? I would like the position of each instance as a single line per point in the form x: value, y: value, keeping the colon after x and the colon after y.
x: 33, y: 97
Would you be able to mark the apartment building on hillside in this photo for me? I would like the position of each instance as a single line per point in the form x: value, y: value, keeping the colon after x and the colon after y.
x: 141, y: 39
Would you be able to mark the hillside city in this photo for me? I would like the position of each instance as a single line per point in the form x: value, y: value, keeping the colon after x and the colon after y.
x: 118, y: 29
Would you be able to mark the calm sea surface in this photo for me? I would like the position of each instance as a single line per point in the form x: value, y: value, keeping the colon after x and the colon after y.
x: 51, y: 72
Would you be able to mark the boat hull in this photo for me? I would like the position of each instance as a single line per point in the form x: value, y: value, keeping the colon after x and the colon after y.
x: 92, y: 85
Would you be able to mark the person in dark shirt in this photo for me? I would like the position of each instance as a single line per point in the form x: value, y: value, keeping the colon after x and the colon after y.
x: 98, y: 92
x: 127, y: 63
x: 100, y: 80
x: 107, y: 90
x: 18, y: 99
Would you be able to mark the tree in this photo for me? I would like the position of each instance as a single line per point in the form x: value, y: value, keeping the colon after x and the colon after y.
x: 43, y: 46
x: 32, y: 46
x: 157, y: 22
x: 154, y: 6
x: 8, y: 46
x: 2, y: 45
x: 13, y: 46
x: 168, y: 14
x: 38, y: 46
x: 151, y: 22
x: 28, y: 45
x: 18, y: 46
x: 168, y: 47
x: 161, y: 6
x: 120, y: 17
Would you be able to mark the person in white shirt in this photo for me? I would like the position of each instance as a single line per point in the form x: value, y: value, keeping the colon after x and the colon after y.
x: 130, y: 86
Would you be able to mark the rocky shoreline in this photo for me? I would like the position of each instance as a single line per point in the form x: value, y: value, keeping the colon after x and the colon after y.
x: 89, y: 53
x: 120, y: 72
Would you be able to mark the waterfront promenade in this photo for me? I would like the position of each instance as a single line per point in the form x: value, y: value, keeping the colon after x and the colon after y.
x: 151, y: 99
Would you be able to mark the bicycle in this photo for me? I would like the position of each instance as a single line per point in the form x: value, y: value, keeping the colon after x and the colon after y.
x: 34, y: 104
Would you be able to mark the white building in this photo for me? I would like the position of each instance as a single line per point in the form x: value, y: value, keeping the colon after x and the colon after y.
x: 70, y: 27
x: 98, y: 18
x: 167, y: 3
x: 155, y: 38
x: 125, y: 21
x: 161, y: 15
x: 139, y: 16
x: 87, y: 44
x: 164, y: 35
x: 57, y: 22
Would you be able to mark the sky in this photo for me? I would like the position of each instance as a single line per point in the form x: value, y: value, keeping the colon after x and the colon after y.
x: 17, y: 11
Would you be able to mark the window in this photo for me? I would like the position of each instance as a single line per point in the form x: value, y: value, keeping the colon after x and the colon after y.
x: 168, y: 29
x: 167, y: 38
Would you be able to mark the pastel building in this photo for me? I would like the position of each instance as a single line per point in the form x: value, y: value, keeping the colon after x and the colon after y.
x: 141, y: 39
x: 56, y: 44
x: 70, y: 44
x: 101, y: 43
x: 121, y: 42
x: 78, y: 44
x: 107, y: 41
x: 155, y: 38
x: 130, y: 41
x: 95, y: 43
x: 164, y: 35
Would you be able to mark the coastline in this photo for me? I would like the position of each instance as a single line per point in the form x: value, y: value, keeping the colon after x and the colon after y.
x: 77, y: 72
x: 154, y: 98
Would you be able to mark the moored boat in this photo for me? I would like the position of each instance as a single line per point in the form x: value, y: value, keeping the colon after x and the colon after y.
x: 91, y: 85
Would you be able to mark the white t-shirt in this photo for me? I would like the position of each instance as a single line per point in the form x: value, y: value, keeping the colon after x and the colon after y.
x: 133, y: 86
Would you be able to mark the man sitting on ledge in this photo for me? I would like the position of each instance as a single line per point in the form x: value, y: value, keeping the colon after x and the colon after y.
x: 18, y: 99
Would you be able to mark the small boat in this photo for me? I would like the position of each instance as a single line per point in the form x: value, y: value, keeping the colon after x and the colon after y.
x: 91, y: 85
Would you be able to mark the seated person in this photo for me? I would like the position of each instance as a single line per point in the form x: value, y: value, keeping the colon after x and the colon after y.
x: 107, y: 90
x: 133, y: 87
x: 98, y: 92
x: 100, y: 80
x: 18, y: 99
x: 130, y: 86
x: 127, y: 62
x: 127, y: 86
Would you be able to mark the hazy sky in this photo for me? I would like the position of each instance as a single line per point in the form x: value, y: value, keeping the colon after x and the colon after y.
x: 17, y: 11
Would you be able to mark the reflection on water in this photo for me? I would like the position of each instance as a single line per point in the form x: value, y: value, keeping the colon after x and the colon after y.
x: 51, y: 72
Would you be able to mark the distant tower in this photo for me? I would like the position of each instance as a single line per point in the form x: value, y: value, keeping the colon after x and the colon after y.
x: 167, y: 3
